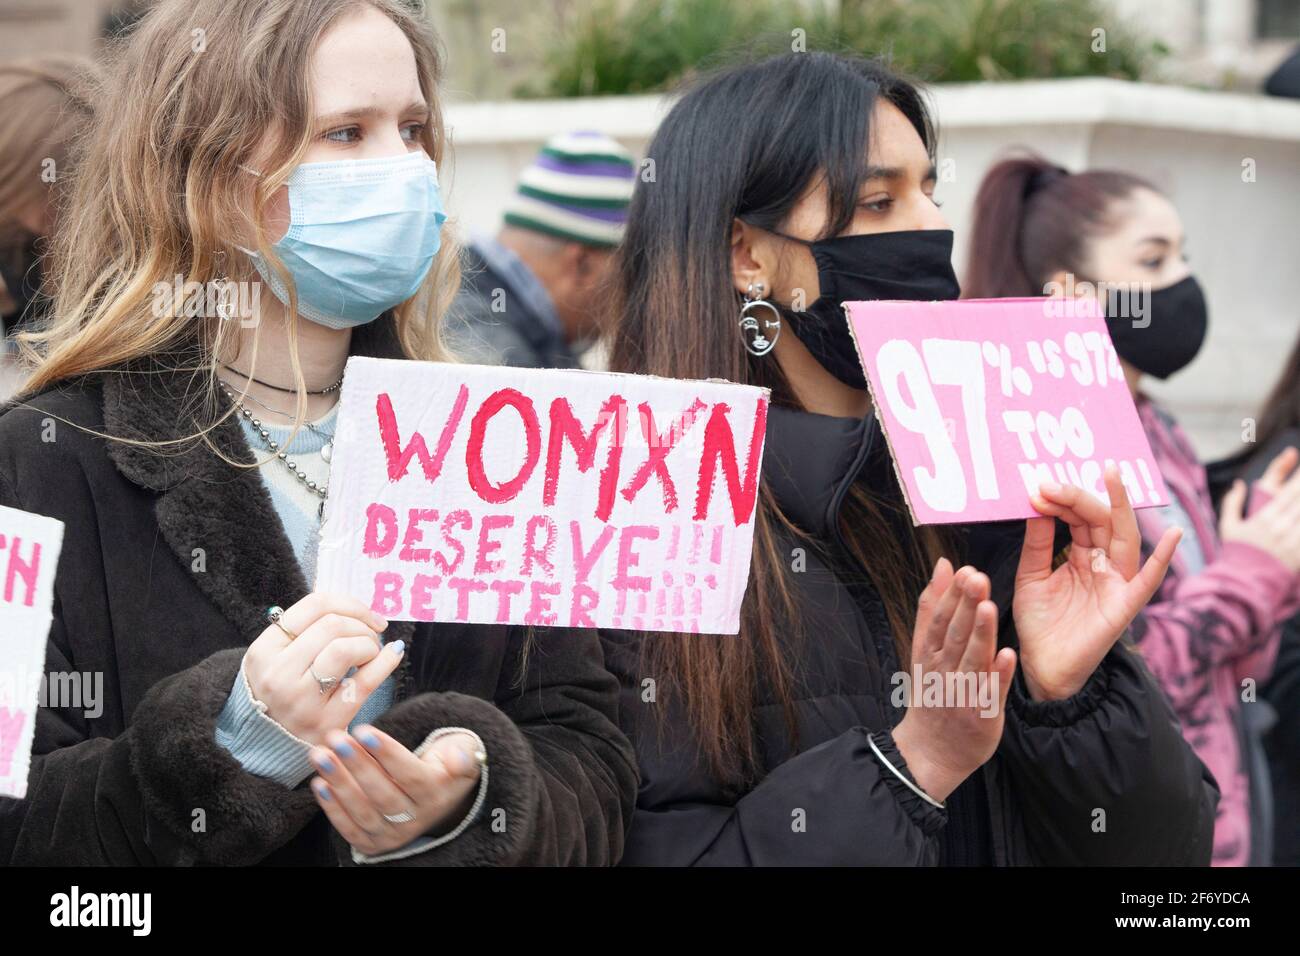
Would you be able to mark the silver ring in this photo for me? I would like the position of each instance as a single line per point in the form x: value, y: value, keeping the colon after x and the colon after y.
x: 327, y: 684
x: 273, y: 614
x: 404, y: 817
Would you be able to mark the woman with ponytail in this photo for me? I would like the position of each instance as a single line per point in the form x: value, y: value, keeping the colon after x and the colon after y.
x: 784, y: 188
x: 1213, y: 626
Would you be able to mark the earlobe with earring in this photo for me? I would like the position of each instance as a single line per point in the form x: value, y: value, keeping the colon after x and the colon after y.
x: 759, y: 336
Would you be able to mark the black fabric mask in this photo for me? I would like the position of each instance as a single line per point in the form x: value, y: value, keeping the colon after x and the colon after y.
x: 1165, y: 337
x: 914, y: 265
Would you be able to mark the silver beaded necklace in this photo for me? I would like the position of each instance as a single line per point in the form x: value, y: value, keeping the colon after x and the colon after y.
x: 327, y: 450
x: 320, y: 489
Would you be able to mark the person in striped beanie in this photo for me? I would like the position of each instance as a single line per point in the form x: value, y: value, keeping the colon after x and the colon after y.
x: 532, y: 295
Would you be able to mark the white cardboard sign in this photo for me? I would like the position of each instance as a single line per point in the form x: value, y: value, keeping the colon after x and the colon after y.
x: 542, y: 496
x: 29, y: 556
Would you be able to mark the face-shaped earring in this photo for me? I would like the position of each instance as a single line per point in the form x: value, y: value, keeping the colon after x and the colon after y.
x: 758, y: 335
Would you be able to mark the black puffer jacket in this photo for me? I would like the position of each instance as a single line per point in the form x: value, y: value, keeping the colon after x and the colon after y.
x: 144, y: 781
x: 1115, y: 747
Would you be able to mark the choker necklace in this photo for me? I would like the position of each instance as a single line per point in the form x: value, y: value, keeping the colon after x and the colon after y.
x: 292, y: 391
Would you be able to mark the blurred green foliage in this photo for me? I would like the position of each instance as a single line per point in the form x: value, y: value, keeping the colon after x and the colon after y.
x: 641, y: 46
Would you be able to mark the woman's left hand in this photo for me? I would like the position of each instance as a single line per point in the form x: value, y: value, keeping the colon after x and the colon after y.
x: 367, y: 779
x: 1068, y: 619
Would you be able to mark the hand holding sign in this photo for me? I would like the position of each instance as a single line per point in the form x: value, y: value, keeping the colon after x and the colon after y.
x: 1012, y: 408
x: 1069, y: 618
x: 331, y: 634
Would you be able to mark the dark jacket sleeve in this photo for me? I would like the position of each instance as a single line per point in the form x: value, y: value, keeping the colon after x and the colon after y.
x: 832, y: 805
x: 162, y: 792
x: 1105, y: 777
x: 562, y: 777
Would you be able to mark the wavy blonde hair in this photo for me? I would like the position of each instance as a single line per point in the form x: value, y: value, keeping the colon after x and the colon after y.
x: 191, y: 95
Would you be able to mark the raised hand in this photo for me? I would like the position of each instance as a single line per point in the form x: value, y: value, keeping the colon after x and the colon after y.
x: 1275, y: 526
x: 956, y: 631
x: 1069, y: 618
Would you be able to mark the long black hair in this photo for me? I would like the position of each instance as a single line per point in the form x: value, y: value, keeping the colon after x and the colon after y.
x: 744, y: 142
x: 747, y: 143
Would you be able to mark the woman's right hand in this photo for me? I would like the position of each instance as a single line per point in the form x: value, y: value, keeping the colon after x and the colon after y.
x: 956, y: 631
x: 335, y: 633
x: 1274, y: 527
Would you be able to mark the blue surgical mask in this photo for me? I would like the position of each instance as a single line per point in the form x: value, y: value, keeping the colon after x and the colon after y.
x: 362, y: 236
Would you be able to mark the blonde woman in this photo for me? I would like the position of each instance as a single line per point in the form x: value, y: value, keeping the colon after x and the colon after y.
x: 152, y: 425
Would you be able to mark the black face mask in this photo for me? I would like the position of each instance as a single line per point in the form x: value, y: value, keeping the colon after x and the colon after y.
x: 1165, y: 337
x: 914, y: 265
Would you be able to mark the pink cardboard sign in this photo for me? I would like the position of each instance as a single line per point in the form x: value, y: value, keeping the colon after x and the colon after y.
x: 542, y: 496
x: 982, y: 399
x: 29, y: 555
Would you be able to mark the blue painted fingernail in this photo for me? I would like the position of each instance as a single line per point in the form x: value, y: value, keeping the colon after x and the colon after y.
x: 324, y: 793
x: 397, y: 647
x: 326, y: 765
x: 344, y: 749
x: 369, y: 738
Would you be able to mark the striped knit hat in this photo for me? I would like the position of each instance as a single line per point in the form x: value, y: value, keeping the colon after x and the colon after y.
x: 577, y: 188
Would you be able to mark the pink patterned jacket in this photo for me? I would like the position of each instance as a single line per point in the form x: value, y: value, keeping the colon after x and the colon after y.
x: 1207, y: 631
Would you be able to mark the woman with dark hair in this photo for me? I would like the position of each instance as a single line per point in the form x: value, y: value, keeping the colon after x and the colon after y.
x: 1278, y: 429
x: 783, y: 189
x: 1213, y: 625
